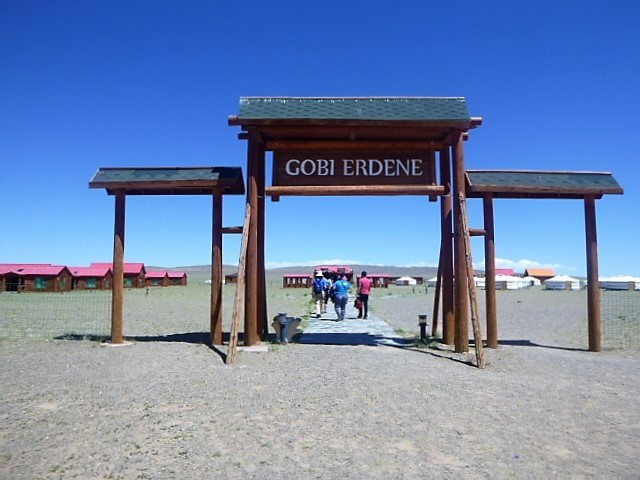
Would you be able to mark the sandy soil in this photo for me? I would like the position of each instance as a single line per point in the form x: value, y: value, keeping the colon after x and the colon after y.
x: 544, y: 407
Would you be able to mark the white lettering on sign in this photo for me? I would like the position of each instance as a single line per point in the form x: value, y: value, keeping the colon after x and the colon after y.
x: 371, y: 167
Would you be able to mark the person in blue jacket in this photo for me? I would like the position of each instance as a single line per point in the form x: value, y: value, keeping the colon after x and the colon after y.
x: 341, y: 289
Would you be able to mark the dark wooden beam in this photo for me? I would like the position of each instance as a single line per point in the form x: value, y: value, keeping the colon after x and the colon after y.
x: 593, y: 286
x: 303, y: 145
x: 251, y: 334
x: 263, y: 324
x: 356, y: 190
x: 446, y: 225
x: 477, y: 232
x: 490, y: 273
x: 216, y: 270
x: 461, y: 287
x: 231, y: 230
x: 117, y: 296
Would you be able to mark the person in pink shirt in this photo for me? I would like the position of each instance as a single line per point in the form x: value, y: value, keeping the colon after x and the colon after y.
x: 364, y: 289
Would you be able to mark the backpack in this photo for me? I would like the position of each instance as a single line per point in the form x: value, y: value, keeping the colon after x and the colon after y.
x: 317, y: 285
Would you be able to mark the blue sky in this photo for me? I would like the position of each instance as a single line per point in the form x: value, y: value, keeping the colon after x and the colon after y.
x: 151, y: 83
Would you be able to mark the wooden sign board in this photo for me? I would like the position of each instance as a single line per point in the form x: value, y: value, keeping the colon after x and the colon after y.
x: 353, y: 168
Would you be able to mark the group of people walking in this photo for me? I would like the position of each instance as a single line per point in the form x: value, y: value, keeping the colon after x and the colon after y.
x: 325, y: 290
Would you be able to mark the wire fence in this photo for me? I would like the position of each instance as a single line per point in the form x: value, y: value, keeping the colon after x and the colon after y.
x: 46, y: 316
x: 154, y: 312
x: 172, y: 310
x: 620, y: 319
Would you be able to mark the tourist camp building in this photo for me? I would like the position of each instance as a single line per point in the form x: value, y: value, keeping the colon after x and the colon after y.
x: 231, y: 278
x: 296, y: 280
x: 91, y: 278
x: 378, y: 280
x: 156, y: 278
x: 334, y: 271
x: 505, y: 271
x: 177, y: 278
x: 542, y: 274
x: 134, y: 273
x: 35, y: 278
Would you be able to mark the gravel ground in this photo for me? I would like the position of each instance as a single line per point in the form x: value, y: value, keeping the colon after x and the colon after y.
x: 542, y: 408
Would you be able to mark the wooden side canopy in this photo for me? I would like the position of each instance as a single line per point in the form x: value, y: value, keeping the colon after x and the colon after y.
x: 513, y: 184
x: 214, y: 181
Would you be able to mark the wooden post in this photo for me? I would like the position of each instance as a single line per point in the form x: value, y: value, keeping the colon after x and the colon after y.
x: 263, y: 324
x: 251, y: 332
x: 239, y: 299
x: 216, y: 270
x: 460, y: 271
x: 448, y: 318
x: 490, y: 272
x: 117, y: 296
x: 593, y: 286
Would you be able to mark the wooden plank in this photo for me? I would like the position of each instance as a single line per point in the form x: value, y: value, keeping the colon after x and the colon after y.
x: 490, y: 273
x: 471, y: 284
x: 238, y: 303
x: 216, y: 270
x: 446, y: 224
x: 373, y: 190
x: 593, y: 286
x: 461, y: 286
x: 306, y: 145
x: 117, y: 297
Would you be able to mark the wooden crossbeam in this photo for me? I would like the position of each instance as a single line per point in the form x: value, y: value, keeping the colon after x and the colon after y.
x: 232, y: 230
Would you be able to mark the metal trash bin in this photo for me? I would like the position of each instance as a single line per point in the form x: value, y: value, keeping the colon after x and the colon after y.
x: 285, y: 326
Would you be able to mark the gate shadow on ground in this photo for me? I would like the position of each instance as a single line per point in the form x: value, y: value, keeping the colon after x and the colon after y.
x: 195, y: 338
x: 351, y: 339
x: 529, y: 343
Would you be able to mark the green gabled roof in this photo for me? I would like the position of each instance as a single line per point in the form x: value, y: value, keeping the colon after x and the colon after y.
x: 540, y: 184
x: 354, y: 108
x: 169, y: 180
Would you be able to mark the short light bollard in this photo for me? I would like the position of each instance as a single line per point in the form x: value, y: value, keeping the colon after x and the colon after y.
x: 422, y: 321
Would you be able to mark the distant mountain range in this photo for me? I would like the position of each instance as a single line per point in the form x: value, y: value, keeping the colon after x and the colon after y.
x: 200, y: 273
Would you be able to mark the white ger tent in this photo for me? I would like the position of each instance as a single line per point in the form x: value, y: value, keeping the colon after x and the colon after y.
x: 562, y: 282
x: 479, y: 281
x: 620, y: 282
x: 532, y: 281
x: 510, y: 282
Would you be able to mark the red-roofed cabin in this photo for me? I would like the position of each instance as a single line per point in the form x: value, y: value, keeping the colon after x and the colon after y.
x: 9, y: 278
x: 36, y: 278
x: 334, y: 271
x: 296, y: 280
x: 378, y: 280
x: 177, y: 278
x: 91, y: 278
x: 542, y: 274
x: 156, y: 278
x: 505, y: 271
x: 133, y: 273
